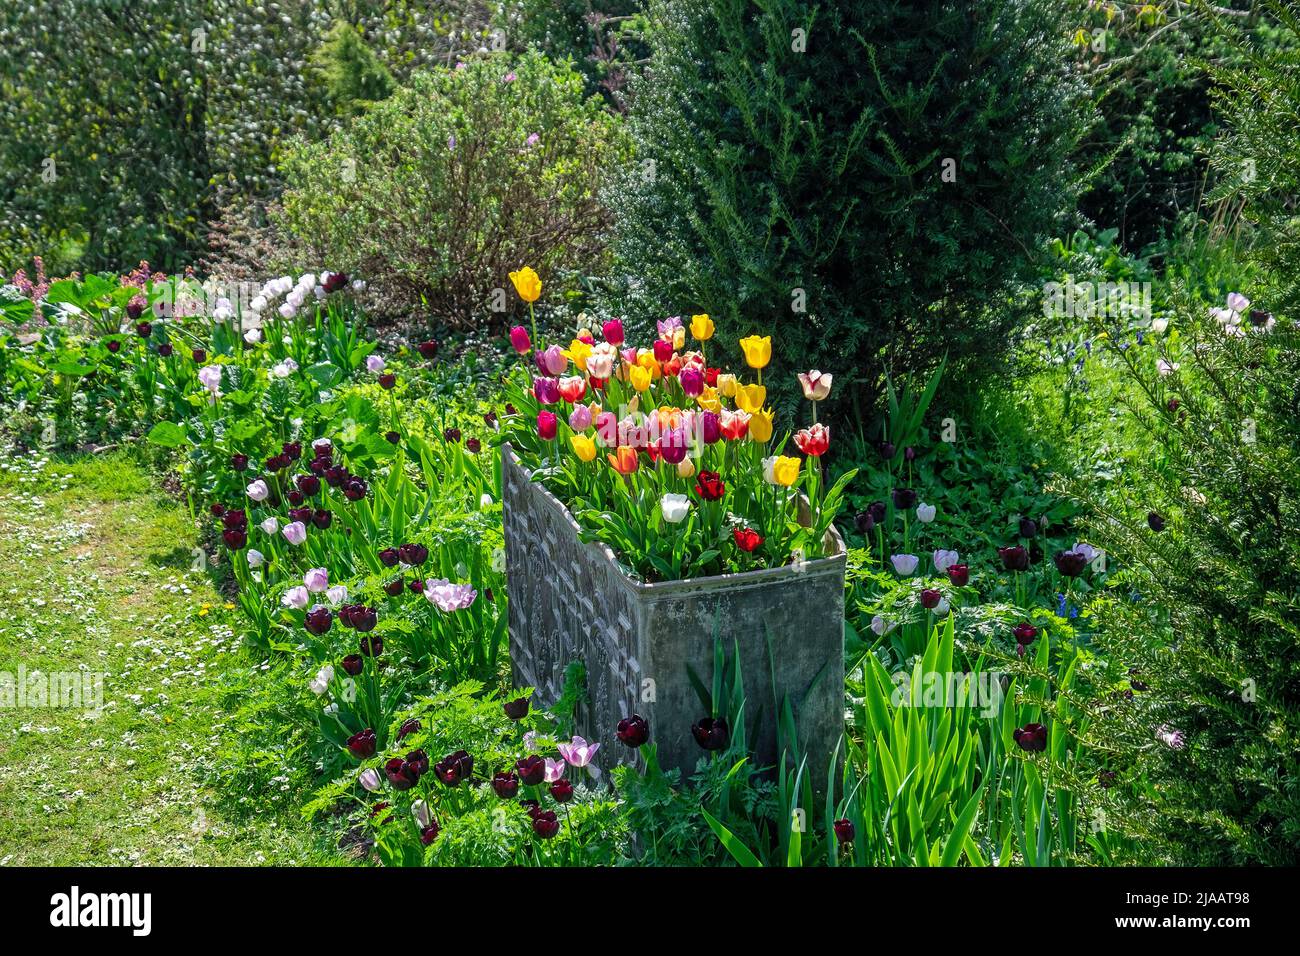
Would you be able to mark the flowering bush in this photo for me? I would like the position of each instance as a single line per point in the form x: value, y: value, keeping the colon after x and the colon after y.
x: 673, y: 462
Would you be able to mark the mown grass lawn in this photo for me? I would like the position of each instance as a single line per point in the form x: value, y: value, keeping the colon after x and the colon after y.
x: 98, y: 572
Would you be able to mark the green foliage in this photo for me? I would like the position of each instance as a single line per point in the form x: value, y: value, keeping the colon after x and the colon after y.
x: 1259, y: 159
x: 1146, y: 63
x: 1211, y: 630
x: 605, y: 44
x: 790, y: 175
x: 354, y: 76
x: 127, y: 132
x: 437, y: 193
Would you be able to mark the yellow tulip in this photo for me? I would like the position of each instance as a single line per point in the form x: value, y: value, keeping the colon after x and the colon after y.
x: 708, y: 400
x: 686, y: 467
x: 646, y: 359
x: 757, y: 349
x: 761, y: 425
x: 640, y: 377
x: 727, y: 384
x: 527, y: 283
x: 583, y: 447
x: 702, y: 327
x: 750, y: 398
x: 785, y: 470
x: 579, y: 352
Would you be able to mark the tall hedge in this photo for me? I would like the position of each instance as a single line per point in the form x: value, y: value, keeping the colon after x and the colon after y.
x: 790, y: 174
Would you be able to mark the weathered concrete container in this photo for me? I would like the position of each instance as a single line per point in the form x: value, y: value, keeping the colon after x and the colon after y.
x: 571, y: 600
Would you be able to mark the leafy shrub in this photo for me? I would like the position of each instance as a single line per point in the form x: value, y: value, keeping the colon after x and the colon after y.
x: 1211, y: 634
x: 154, y: 118
x: 605, y: 44
x: 801, y: 191
x: 1259, y: 159
x: 436, y: 194
x: 1157, y: 125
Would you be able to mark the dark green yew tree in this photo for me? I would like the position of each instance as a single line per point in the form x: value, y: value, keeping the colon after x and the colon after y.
x: 866, y: 180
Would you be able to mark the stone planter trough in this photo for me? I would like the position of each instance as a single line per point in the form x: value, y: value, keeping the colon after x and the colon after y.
x: 571, y: 600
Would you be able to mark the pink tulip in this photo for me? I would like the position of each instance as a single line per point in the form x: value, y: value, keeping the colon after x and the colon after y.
x: 295, y: 532
x: 546, y: 424
x: 578, y: 752
x: 554, y: 770
x: 519, y: 340
x: 613, y: 330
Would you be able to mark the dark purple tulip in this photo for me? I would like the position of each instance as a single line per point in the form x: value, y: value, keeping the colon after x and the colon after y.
x: 1031, y: 737
x: 429, y: 833
x: 235, y: 540
x: 418, y: 761
x: 362, y: 744
x: 144, y: 330
x: 389, y: 557
x: 454, y: 768
x: 1014, y: 558
x: 393, y: 438
x: 473, y: 445
x: 546, y: 824
x: 844, y: 830
x: 505, y: 784
x: 239, y: 462
x: 372, y: 645
x: 134, y: 310
x: 710, y: 733
x: 352, y: 664
x: 319, y: 619
x: 364, y: 619
x: 1070, y: 563
x: 394, y: 587
x: 959, y: 574
x: 863, y: 522
x: 413, y: 554
x: 399, y: 774
x: 490, y: 419
x: 562, y: 791
x: 516, y: 709
x: 217, y: 509
x: 531, y: 807
x: 416, y: 586
x: 354, y: 489
x: 531, y: 770
x: 428, y: 349
x: 930, y: 598
x: 335, y: 475
x: 292, y: 450
x: 322, y: 518
x: 295, y: 498
x: 335, y: 281
x: 877, y: 510
x: 909, y: 453
x: 451, y: 434
x: 409, y: 726
x: 113, y: 345
x: 887, y: 450
x: 633, y: 731
x: 308, y: 484
x: 199, y: 356
x: 904, y: 498
x: 234, y: 519
x: 300, y: 514
x: 1024, y: 632
x: 388, y: 381
x: 166, y: 350
x: 1028, y: 528
x: 710, y: 427
x: 1155, y: 522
